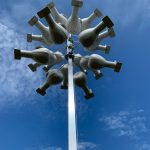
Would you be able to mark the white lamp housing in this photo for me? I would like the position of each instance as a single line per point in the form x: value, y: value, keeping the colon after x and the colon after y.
x: 84, y: 67
x: 81, y: 81
x: 104, y: 48
x: 89, y: 36
x: 42, y: 56
x: 95, y: 46
x: 59, y: 34
x: 54, y: 76
x: 86, y: 22
x: 59, y: 18
x: 97, y: 62
x: 74, y: 25
x: 82, y: 63
x: 45, y: 38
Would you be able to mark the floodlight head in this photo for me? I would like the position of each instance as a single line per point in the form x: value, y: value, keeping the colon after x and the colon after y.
x: 81, y: 81
x: 51, y: 5
x: 33, y: 21
x: 58, y: 33
x: 59, y: 18
x: 84, y: 67
x: 98, y: 13
x: 89, y: 36
x: 74, y: 24
x: 97, y: 62
x: 104, y: 48
x: 54, y: 76
x: 29, y: 37
x: 103, y: 35
x: 111, y: 32
x: 40, y: 55
x: 45, y: 38
x: 86, y: 22
x: 77, y: 3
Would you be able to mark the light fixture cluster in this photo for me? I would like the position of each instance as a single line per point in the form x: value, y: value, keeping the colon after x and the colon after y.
x: 58, y: 30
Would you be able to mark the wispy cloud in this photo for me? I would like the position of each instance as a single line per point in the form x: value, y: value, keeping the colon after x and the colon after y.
x: 52, y: 148
x: 9, y: 13
x: 81, y: 146
x: 144, y: 146
x: 128, y: 12
x: 125, y: 123
x: 45, y: 148
x: 87, y: 146
x: 18, y: 83
x: 124, y: 13
x: 15, y: 76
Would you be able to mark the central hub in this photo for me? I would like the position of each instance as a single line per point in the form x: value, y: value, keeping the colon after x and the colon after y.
x: 70, y: 49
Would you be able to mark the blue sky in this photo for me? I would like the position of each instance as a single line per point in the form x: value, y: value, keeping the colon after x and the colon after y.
x: 118, y: 117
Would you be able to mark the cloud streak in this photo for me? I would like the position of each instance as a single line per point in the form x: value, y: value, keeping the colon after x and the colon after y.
x: 15, y: 76
x: 125, y: 123
x: 87, y: 146
x: 128, y: 12
x: 52, y: 148
x: 18, y: 83
x: 145, y: 146
x: 45, y: 148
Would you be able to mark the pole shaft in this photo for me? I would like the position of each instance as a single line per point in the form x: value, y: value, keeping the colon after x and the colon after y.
x: 72, y: 137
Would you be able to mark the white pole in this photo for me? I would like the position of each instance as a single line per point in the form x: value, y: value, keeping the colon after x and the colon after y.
x: 72, y: 137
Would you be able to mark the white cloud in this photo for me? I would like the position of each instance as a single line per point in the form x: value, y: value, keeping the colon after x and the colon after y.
x: 87, y: 146
x: 126, y: 13
x: 81, y: 146
x: 15, y: 16
x: 140, y: 111
x: 130, y: 11
x: 145, y: 146
x: 52, y: 148
x: 45, y: 148
x: 125, y: 123
x: 16, y: 79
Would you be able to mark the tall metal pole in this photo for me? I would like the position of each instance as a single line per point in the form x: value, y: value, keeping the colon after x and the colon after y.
x: 72, y: 136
